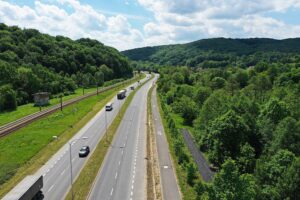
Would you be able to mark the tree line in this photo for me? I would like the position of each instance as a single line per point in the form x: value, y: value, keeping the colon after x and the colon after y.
x: 246, y: 120
x: 31, y: 62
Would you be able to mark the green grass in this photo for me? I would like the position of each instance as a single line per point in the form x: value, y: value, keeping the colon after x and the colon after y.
x: 84, y: 182
x: 26, y: 150
x: 188, y: 192
x: 27, y: 109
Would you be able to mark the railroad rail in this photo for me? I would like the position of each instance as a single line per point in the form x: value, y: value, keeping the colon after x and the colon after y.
x: 24, y: 121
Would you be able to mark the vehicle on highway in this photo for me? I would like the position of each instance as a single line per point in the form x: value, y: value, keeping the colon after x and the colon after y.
x: 29, y: 188
x: 132, y: 87
x: 84, y: 151
x: 109, y: 106
x: 121, y: 94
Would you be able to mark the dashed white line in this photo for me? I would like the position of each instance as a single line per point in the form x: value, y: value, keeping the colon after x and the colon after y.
x: 62, y: 172
x: 50, y: 188
x: 119, y: 162
x: 116, y: 175
x: 73, y: 159
x: 122, y: 151
x: 111, y: 192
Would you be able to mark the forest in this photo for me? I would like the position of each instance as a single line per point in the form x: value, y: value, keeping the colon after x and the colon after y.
x: 246, y: 120
x: 217, y: 52
x: 33, y: 62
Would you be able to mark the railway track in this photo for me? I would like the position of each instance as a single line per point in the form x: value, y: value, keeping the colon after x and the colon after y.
x: 15, y: 125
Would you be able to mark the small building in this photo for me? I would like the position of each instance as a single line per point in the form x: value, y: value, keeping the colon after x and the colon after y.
x: 41, y: 99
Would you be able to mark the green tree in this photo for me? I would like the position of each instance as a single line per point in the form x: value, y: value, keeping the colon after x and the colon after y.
x: 99, y: 76
x: 218, y: 83
x: 7, y: 98
x: 246, y: 159
x: 228, y: 132
x: 191, y: 174
x: 287, y: 136
x: 229, y: 185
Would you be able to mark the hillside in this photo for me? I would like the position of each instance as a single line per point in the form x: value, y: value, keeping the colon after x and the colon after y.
x: 215, y: 52
x: 31, y: 61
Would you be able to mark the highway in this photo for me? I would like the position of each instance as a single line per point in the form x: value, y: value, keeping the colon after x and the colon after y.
x: 123, y: 172
x: 169, y: 185
x: 56, y: 171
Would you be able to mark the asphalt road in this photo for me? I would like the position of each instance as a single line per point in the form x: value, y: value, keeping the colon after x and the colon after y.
x: 203, y: 165
x: 56, y: 172
x: 123, y: 172
x: 170, y: 187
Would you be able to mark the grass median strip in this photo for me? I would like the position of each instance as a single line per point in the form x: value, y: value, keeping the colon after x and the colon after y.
x: 85, y: 180
x: 26, y: 150
x: 153, y: 173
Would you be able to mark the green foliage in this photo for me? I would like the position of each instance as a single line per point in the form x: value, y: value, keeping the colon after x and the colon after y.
x: 234, y: 52
x: 191, y: 174
x: 31, y: 62
x: 230, y: 185
x: 7, y: 98
x: 250, y: 116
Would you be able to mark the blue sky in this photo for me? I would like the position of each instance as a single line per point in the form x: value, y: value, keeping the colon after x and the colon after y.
x: 126, y: 24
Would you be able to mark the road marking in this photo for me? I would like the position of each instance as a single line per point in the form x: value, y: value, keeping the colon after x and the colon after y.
x: 73, y: 159
x: 166, y: 166
x: 119, y: 162
x: 62, y: 172
x: 158, y: 132
x: 116, y: 175
x: 111, y: 192
x: 44, y: 174
x: 50, y: 188
x: 122, y: 151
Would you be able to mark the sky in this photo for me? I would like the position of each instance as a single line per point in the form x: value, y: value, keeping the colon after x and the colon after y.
x: 127, y: 24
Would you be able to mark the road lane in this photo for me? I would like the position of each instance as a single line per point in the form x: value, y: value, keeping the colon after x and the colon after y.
x: 56, y: 171
x: 170, y: 187
x: 123, y: 172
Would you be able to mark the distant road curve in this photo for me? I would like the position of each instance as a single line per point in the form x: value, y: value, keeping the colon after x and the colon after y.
x: 24, y: 121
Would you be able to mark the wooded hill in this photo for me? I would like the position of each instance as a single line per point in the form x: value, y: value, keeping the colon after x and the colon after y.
x: 31, y: 61
x: 218, y: 52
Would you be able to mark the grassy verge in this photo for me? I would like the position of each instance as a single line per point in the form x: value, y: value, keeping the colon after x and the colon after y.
x: 153, y: 173
x: 26, y: 150
x: 84, y: 181
x: 188, y: 192
x: 24, y: 110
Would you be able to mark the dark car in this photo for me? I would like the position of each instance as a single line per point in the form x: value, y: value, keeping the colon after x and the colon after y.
x: 84, y: 151
x: 132, y: 87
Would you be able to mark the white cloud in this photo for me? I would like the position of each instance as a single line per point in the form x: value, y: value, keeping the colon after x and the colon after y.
x: 175, y: 21
x: 196, y: 19
x: 73, y: 19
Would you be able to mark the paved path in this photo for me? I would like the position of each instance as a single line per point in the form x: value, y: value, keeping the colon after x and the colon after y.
x: 202, y: 164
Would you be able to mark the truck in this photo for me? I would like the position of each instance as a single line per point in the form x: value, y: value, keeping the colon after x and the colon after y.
x: 121, y: 94
x: 28, y: 189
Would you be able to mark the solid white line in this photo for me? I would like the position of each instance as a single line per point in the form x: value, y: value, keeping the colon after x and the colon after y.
x: 50, y: 188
